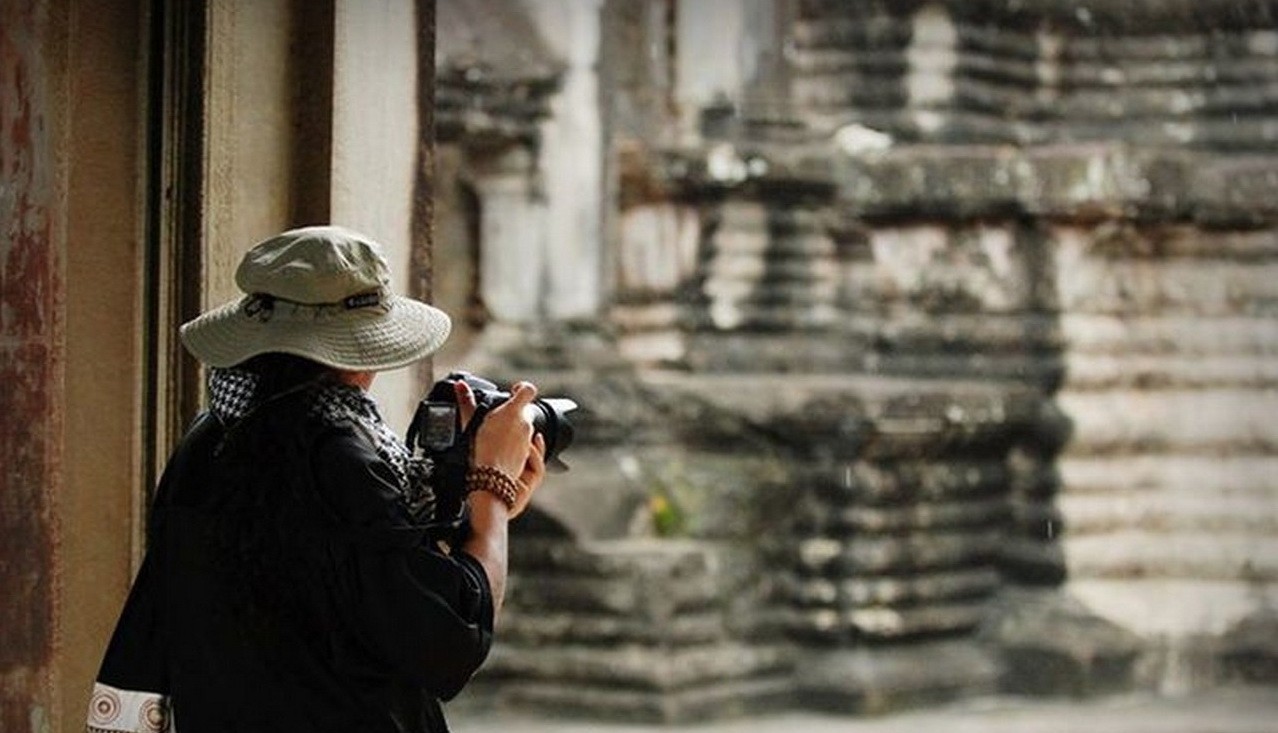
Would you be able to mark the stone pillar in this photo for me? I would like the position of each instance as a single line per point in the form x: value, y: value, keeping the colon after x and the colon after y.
x: 512, y: 235
x: 656, y: 260
x: 571, y: 168
x: 375, y: 151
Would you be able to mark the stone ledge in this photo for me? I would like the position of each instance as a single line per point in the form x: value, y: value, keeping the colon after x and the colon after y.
x: 667, y: 669
x: 1089, y: 181
x: 700, y: 703
x: 876, y: 680
x: 1051, y: 644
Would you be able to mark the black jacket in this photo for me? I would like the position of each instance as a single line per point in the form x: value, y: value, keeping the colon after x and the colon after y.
x: 378, y: 623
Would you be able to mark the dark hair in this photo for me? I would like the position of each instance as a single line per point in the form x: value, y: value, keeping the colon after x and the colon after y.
x: 259, y: 528
x: 278, y: 372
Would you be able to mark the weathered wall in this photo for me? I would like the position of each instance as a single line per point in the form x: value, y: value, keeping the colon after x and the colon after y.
x: 31, y: 68
x: 74, y: 161
x: 375, y: 146
x: 322, y: 129
x: 70, y: 213
x: 249, y: 151
x: 101, y: 498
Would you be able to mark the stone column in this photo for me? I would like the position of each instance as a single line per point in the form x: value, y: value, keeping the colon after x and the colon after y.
x: 374, y: 150
x: 571, y: 166
x: 512, y: 255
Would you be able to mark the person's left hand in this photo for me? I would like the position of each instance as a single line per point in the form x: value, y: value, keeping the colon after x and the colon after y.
x: 533, y: 474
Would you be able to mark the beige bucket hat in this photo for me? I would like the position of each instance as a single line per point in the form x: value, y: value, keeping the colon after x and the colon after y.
x: 323, y: 293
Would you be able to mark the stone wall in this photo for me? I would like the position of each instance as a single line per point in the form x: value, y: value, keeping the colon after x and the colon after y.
x: 955, y: 329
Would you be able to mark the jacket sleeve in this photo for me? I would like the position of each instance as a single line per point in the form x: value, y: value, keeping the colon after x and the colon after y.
x: 426, y: 614
x: 135, y: 658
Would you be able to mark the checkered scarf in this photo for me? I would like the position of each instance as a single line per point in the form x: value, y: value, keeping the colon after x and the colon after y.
x: 233, y: 395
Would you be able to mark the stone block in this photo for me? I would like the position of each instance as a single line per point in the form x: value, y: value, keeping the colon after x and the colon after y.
x: 714, y: 701
x: 870, y: 680
x: 1227, y: 421
x: 1239, y: 191
x: 1249, y: 650
x: 1050, y: 644
x: 562, y: 627
x: 1135, y: 553
x: 668, y: 669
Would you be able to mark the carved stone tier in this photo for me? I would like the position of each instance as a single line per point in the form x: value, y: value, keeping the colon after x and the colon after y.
x: 633, y: 629
x: 969, y: 358
x: 494, y: 75
x: 1202, y: 75
x: 1169, y: 488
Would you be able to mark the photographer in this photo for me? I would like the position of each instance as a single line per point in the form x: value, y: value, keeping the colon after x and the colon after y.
x: 303, y: 571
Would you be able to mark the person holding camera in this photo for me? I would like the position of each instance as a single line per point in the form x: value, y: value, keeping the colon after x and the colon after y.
x: 305, y: 570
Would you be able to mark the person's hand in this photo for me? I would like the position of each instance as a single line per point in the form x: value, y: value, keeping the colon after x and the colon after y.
x: 533, y: 474
x: 504, y: 440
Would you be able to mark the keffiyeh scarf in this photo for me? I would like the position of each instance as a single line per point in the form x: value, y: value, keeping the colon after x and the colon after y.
x: 233, y: 395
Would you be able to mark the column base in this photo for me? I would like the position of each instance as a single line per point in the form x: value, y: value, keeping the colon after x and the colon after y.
x: 881, y: 679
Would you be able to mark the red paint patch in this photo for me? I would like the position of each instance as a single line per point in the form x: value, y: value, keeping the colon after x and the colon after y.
x: 29, y: 365
x: 25, y: 514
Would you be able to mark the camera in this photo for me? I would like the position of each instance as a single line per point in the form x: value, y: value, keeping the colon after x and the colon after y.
x: 437, y: 434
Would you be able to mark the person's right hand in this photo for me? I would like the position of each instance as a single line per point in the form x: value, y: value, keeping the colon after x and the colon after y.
x: 504, y: 440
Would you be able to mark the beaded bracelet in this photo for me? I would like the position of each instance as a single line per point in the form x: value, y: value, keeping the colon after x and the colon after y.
x: 495, y: 481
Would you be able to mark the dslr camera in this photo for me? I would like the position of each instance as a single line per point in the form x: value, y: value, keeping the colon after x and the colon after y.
x: 437, y: 434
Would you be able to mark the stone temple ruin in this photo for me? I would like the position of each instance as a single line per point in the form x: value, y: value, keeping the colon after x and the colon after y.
x: 927, y: 349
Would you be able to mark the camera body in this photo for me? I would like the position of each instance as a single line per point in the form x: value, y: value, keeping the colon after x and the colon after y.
x: 436, y: 430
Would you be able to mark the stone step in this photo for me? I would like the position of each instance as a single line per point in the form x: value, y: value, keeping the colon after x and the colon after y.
x: 1101, y: 101
x: 1203, y: 510
x: 876, y: 680
x: 818, y: 344
x: 1170, y: 334
x: 868, y: 520
x: 1173, y: 608
x: 1140, y: 371
x: 1017, y: 332
x: 1220, y: 421
x: 746, y: 216
x: 884, y: 555
x: 666, y: 668
x: 711, y: 701
x: 1199, y: 554
x: 761, y: 288
x: 887, y: 623
x: 903, y: 590
x: 524, y: 627
x: 619, y: 559
x: 1158, y: 72
x: 650, y: 598
x: 1090, y: 285
x: 768, y: 273
x: 1118, y: 477
x: 918, y: 486
x: 1050, y: 644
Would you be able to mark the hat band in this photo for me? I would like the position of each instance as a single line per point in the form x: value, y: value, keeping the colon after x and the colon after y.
x: 264, y: 306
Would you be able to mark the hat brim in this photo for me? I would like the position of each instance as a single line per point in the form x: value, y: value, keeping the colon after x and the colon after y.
x: 405, y: 331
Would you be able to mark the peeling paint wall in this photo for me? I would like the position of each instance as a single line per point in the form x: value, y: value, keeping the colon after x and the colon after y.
x: 30, y: 362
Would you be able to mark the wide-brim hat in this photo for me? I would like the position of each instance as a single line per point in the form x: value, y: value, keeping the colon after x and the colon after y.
x: 322, y: 293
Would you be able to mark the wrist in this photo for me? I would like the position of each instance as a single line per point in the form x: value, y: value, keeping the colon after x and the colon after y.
x: 487, y: 514
x: 488, y: 483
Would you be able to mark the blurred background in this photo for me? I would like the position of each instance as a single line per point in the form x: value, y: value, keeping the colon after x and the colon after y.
x: 926, y: 350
